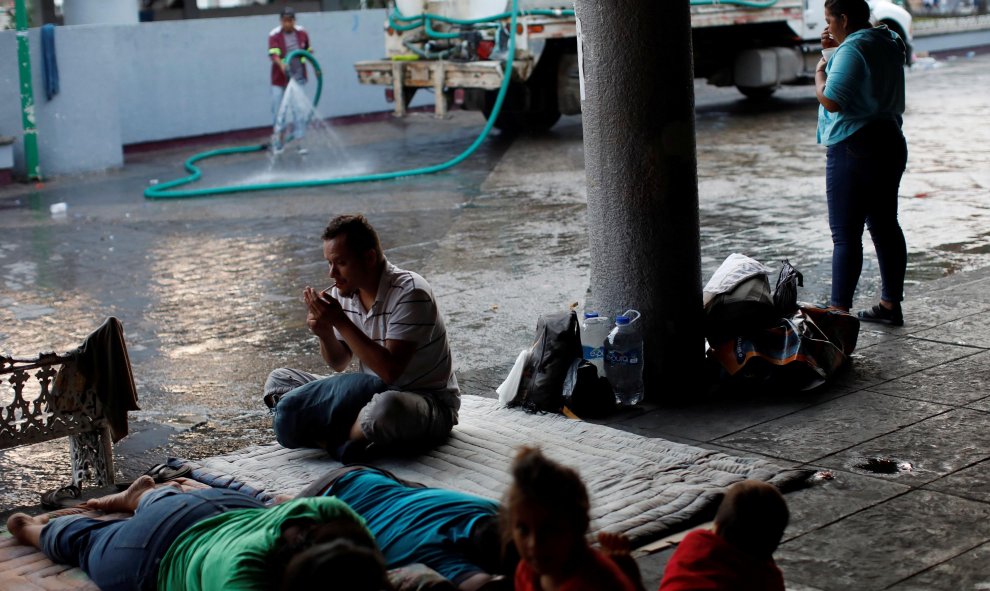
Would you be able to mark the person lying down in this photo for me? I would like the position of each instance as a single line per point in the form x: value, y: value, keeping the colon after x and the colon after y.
x: 346, y: 528
x: 209, y: 539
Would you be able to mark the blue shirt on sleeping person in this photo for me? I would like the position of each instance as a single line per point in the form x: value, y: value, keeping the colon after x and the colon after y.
x: 415, y: 525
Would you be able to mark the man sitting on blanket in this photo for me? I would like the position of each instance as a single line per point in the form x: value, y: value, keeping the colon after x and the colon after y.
x: 405, y: 394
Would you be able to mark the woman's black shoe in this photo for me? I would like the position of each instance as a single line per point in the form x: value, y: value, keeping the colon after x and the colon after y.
x: 882, y: 315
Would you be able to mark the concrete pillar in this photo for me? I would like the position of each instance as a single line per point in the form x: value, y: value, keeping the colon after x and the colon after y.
x: 641, y: 168
x: 100, y: 12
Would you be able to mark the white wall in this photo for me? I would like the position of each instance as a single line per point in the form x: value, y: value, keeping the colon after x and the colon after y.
x: 100, y: 12
x: 79, y: 129
x: 212, y: 75
x: 126, y: 84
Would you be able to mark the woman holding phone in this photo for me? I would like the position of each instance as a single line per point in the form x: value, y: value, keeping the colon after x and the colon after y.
x: 860, y: 88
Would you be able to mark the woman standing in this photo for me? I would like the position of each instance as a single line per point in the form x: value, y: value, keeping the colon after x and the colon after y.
x: 861, y: 91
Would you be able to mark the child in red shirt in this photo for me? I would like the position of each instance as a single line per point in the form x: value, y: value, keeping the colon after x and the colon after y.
x: 738, y: 555
x: 547, y: 511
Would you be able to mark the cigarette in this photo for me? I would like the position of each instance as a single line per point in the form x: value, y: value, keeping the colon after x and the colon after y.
x: 326, y: 292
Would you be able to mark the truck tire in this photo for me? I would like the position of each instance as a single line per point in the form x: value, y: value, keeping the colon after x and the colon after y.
x: 908, y: 52
x: 408, y: 92
x: 757, y: 93
x: 530, y: 106
x: 510, y: 120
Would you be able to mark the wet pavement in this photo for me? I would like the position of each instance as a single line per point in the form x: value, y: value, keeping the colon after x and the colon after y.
x: 208, y: 292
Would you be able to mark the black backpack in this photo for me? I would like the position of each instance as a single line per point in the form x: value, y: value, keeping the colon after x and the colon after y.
x: 557, y: 346
x: 785, y: 294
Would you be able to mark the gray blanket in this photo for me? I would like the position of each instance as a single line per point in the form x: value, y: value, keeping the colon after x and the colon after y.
x: 646, y: 488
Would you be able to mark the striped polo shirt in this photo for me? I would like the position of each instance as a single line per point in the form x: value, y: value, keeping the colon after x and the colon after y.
x: 405, y: 310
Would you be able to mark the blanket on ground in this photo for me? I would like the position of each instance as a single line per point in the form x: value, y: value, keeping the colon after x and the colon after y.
x: 646, y: 488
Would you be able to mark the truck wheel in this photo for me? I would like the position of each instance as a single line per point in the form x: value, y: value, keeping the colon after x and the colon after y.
x: 908, y: 52
x: 530, y: 106
x: 408, y: 92
x: 757, y: 93
x: 541, y: 116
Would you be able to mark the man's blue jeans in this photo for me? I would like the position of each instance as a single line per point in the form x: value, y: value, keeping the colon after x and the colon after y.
x: 862, y: 177
x: 123, y: 554
x: 320, y: 413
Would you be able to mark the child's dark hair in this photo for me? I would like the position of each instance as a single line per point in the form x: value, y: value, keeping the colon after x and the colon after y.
x: 752, y: 517
x: 341, y: 565
x: 857, y: 11
x: 339, y: 553
x: 537, y: 479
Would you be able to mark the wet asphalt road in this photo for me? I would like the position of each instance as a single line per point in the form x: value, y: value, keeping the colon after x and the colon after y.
x: 208, y: 289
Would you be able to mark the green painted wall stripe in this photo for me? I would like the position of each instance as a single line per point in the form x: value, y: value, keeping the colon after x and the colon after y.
x: 27, y: 92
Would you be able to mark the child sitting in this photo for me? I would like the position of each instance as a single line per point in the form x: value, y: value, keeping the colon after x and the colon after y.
x: 738, y: 555
x: 547, y: 514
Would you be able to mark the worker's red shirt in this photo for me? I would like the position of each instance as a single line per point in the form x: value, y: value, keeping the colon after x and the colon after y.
x: 276, y: 47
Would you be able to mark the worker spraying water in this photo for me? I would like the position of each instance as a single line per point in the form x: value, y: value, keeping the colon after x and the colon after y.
x: 288, y: 76
x: 170, y: 190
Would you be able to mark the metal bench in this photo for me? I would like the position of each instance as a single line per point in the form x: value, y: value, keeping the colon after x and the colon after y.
x: 38, y: 405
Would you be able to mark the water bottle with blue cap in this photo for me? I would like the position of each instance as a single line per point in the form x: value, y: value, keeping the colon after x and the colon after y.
x: 624, y: 359
x: 594, y: 330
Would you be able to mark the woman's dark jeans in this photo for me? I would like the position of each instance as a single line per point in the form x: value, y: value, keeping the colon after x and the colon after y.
x: 123, y: 554
x: 862, y: 176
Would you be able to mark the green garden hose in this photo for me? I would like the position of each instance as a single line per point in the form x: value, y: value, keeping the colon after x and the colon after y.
x: 169, y: 189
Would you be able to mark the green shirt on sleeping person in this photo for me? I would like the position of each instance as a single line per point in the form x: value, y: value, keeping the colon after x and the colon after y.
x: 231, y: 551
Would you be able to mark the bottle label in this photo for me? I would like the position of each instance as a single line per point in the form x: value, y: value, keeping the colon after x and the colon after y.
x: 630, y: 357
x: 592, y: 353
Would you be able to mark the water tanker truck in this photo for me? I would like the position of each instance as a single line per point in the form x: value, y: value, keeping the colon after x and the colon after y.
x: 458, y: 49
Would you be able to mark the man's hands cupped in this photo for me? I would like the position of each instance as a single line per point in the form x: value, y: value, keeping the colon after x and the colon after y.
x: 324, y: 312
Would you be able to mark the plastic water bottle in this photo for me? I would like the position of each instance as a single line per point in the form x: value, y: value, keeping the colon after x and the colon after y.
x: 624, y: 359
x: 594, y: 329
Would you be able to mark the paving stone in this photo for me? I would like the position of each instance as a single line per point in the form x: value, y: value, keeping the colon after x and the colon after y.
x: 933, y: 447
x: 832, y: 426
x: 971, y: 285
x: 957, y: 382
x: 828, y: 500
x: 869, y: 336
x: 935, y: 309
x: 968, y: 571
x: 982, y: 405
x: 887, y: 543
x: 892, y: 359
x: 972, y: 482
x: 713, y: 419
x: 973, y: 330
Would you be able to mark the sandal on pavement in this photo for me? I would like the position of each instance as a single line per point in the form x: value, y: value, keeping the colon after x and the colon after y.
x: 160, y: 473
x: 62, y: 498
x: 882, y: 315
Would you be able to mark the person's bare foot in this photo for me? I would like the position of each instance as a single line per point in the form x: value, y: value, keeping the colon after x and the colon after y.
x: 122, y: 502
x: 26, y: 529
x: 282, y: 498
